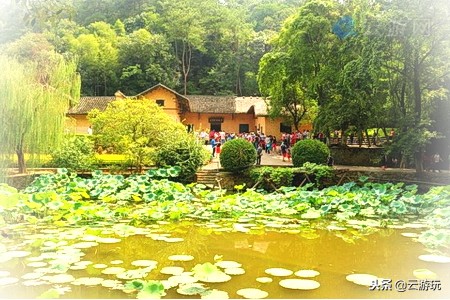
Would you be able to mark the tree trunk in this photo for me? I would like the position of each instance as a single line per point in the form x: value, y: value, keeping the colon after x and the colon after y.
x: 368, y: 138
x: 418, y: 114
x: 21, y: 161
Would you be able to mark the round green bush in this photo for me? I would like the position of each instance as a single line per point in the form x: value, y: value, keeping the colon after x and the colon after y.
x: 237, y: 155
x: 313, y: 151
x: 185, y: 153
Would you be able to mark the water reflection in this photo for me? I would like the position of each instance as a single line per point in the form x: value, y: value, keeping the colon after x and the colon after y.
x: 334, y: 253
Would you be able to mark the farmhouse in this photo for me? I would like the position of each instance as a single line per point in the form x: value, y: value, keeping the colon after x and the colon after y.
x: 197, y: 112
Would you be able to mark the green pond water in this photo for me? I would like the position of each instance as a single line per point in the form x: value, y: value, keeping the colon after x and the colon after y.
x: 383, y: 252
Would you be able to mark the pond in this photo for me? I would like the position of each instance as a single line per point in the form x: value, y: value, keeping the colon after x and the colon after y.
x: 40, y: 258
x: 142, y: 237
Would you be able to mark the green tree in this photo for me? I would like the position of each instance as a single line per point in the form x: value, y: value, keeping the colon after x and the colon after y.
x: 183, y: 22
x: 37, y: 88
x: 136, y: 128
x: 295, y: 73
x: 417, y: 57
x: 146, y: 60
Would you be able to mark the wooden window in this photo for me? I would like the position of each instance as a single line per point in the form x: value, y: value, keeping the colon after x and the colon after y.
x: 160, y: 102
x: 244, y: 128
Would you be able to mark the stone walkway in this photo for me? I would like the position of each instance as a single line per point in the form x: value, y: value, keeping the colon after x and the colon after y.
x: 277, y: 160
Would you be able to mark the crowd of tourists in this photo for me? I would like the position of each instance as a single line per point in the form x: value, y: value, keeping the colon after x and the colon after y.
x: 268, y: 144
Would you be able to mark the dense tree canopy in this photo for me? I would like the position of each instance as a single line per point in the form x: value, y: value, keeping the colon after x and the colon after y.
x: 194, y: 47
x: 348, y: 65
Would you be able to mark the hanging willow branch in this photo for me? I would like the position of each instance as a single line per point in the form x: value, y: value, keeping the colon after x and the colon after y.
x: 32, y: 113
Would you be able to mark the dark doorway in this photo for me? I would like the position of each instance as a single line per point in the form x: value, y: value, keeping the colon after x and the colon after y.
x: 216, y: 126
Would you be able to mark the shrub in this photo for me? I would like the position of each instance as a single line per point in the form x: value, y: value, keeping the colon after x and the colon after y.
x: 186, y: 153
x: 313, y: 151
x: 75, y: 154
x: 237, y: 155
x: 270, y: 178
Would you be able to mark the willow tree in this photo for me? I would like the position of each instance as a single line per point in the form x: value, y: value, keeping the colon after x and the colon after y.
x: 33, y: 104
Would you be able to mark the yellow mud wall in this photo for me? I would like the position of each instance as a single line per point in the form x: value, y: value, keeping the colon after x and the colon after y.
x: 77, y: 124
x: 170, y: 101
x: 230, y: 121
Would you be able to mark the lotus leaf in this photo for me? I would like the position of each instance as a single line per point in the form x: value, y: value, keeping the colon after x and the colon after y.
x: 151, y: 290
x: 425, y: 274
x: 182, y: 279
x: 116, y: 262
x: 264, y: 279
x: 190, y: 289
x: 362, y: 279
x: 172, y: 270
x: 208, y: 272
x: 133, y: 274
x: 33, y: 282
x: 299, y: 284
x: 114, y: 284
x: 234, y: 271
x: 281, y: 272
x: 113, y: 270
x: 181, y: 257
x: 15, y: 254
x: 60, y: 278
x: 4, y: 273
x: 306, y: 273
x: 144, y: 263
x: 108, y: 240
x: 435, y: 258
x: 225, y: 264
x: 214, y: 294
x: 88, y: 281
x: 251, y: 293
x: 100, y: 266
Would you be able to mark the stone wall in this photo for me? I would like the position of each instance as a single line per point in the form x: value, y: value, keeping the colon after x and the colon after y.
x: 355, y: 156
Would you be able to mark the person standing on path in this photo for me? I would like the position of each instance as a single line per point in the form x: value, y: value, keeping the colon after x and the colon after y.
x: 259, y: 153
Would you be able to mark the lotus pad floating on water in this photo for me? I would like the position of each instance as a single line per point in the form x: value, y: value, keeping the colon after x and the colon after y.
x: 264, y: 279
x: 251, y: 293
x: 228, y: 264
x: 60, y: 278
x: 234, y: 271
x: 116, y: 262
x: 4, y: 273
x: 172, y: 270
x: 84, y: 245
x: 8, y: 280
x: 424, y: 274
x: 144, y: 263
x: 181, y: 279
x: 181, y: 257
x: 435, y: 258
x: 279, y: 272
x: 362, y: 279
x: 190, y: 289
x: 306, y: 273
x: 208, y: 272
x: 215, y: 294
x: 172, y: 240
x: 299, y: 284
x: 89, y: 281
x: 100, y: 266
x: 409, y: 234
x: 108, y: 240
x: 15, y: 254
x: 113, y: 270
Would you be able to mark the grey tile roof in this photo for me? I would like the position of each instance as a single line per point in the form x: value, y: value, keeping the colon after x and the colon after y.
x: 212, y: 104
x: 87, y: 104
